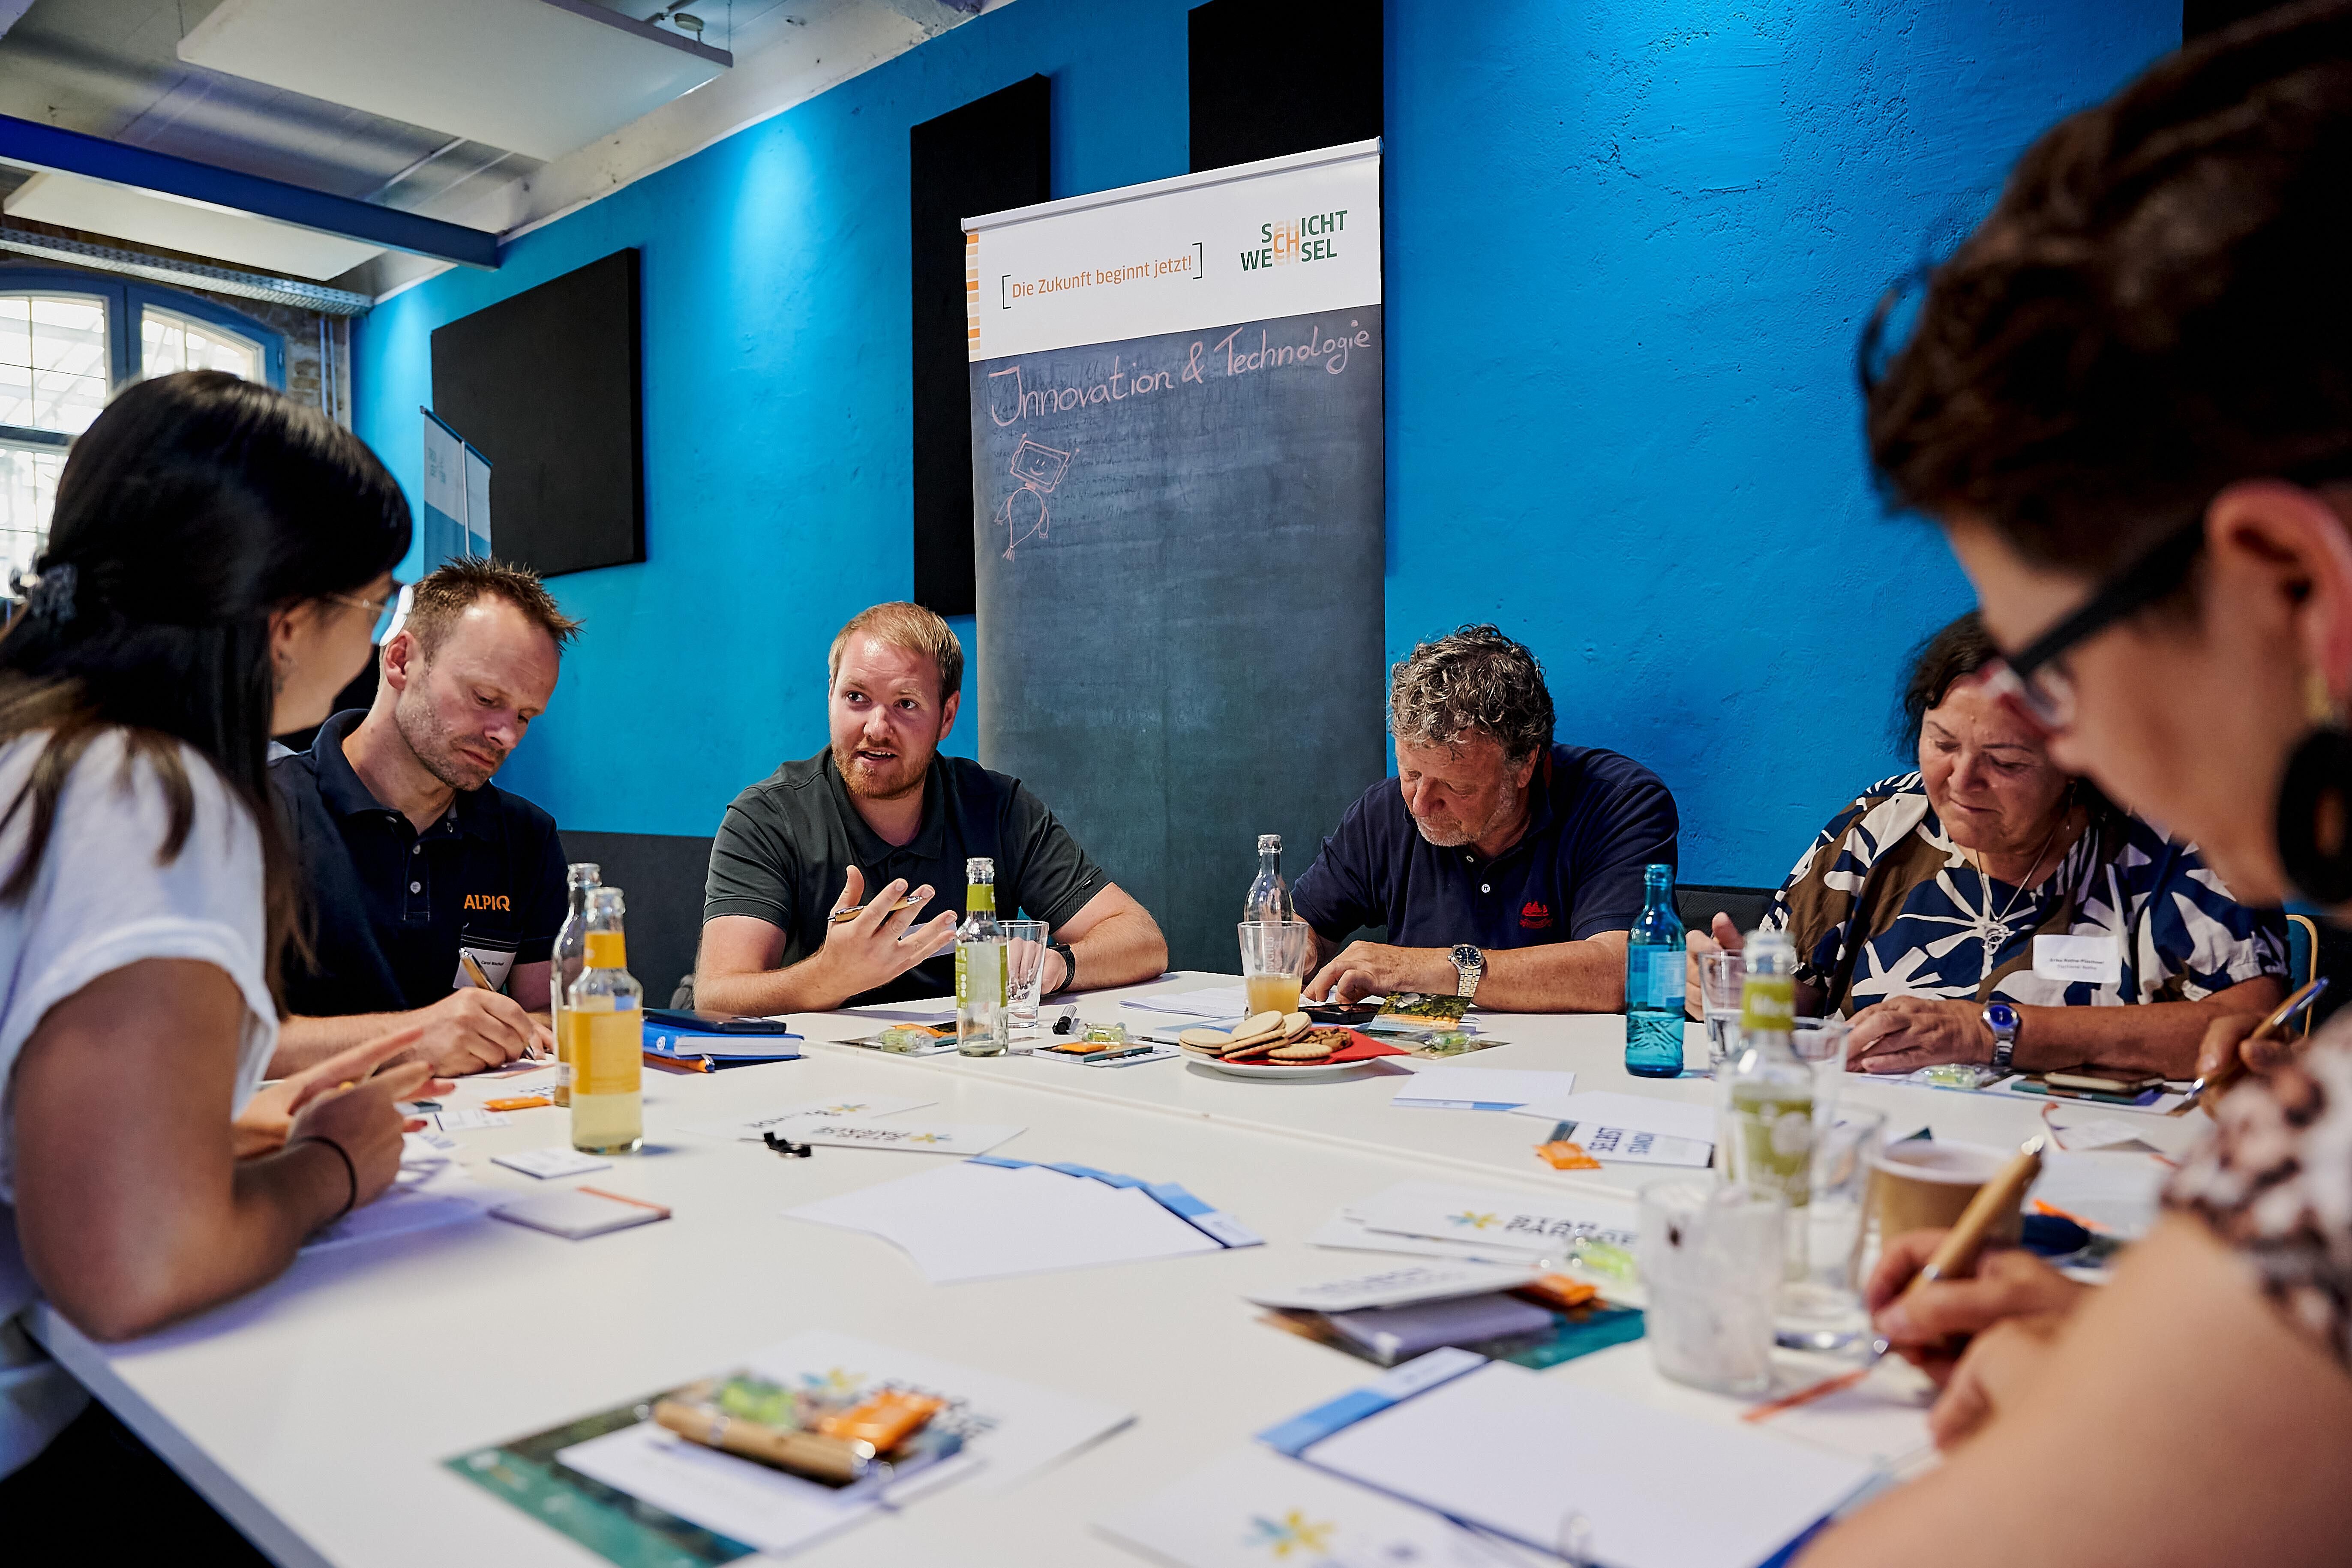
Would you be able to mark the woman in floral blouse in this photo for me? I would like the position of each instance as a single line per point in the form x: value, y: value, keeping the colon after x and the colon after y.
x: 1992, y: 874
x: 2127, y: 401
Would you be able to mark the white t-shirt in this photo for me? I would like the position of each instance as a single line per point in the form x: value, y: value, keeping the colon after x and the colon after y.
x: 99, y: 903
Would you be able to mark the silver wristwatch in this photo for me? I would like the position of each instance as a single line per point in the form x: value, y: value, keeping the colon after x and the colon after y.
x: 2002, y: 1019
x: 1470, y: 964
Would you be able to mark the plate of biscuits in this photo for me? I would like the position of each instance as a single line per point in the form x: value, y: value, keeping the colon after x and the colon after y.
x: 1275, y: 1045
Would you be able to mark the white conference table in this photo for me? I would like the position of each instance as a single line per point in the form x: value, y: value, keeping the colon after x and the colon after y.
x: 316, y: 1412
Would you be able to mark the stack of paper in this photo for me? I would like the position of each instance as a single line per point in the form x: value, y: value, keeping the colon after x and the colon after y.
x: 1481, y: 1088
x: 1509, y: 1451
x: 1434, y: 1220
x: 1635, y: 1127
x: 982, y: 1219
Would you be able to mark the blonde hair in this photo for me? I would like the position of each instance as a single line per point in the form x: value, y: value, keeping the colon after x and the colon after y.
x: 909, y: 627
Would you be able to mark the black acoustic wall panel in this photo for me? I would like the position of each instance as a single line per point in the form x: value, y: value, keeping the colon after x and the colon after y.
x: 1249, y: 100
x: 2199, y: 17
x: 547, y: 384
x: 993, y: 153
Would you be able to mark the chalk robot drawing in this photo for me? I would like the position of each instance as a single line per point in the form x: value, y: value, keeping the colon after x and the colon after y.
x: 1037, y: 468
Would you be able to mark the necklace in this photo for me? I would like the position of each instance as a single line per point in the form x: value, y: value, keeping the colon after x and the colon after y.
x: 1997, y: 931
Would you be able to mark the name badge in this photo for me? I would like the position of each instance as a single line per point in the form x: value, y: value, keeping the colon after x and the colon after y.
x: 494, y: 967
x: 2079, y: 959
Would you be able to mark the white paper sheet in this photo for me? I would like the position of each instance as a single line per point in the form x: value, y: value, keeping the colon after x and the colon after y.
x: 1014, y: 1428
x: 423, y: 1198
x: 1253, y: 1507
x: 1634, y: 1112
x: 968, y: 1221
x: 2114, y: 1190
x: 864, y: 1106
x: 1629, y: 1147
x: 1470, y: 1087
x: 1516, y: 1452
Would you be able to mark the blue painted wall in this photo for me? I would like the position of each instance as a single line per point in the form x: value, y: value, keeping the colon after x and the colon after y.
x: 1630, y: 244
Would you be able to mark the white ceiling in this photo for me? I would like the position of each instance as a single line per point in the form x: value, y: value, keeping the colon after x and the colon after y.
x: 114, y: 69
x: 529, y: 75
x: 171, y: 223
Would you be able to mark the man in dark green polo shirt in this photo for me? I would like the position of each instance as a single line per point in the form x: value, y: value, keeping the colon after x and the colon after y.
x: 879, y: 815
x: 423, y: 874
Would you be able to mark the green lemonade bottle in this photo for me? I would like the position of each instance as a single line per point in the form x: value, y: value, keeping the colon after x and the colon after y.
x: 1767, y: 1093
x: 983, y: 1023
x: 605, y: 1019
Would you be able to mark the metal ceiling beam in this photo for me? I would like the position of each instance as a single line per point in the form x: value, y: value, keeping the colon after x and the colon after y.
x: 70, y: 151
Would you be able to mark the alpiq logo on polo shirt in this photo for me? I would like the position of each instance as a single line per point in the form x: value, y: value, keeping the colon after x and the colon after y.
x: 490, y: 901
x: 1534, y: 916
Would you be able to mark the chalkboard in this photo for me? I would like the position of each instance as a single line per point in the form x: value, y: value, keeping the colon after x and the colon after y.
x: 1180, y: 545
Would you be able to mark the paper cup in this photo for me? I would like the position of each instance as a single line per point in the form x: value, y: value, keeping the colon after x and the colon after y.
x: 1920, y: 1184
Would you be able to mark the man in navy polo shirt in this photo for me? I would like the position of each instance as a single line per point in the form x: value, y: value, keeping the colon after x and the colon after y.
x: 1507, y: 870
x: 412, y: 857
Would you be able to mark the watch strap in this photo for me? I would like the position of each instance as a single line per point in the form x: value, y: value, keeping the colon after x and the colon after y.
x: 1069, y: 966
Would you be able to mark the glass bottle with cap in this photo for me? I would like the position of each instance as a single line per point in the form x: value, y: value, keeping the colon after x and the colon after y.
x: 571, y: 956
x: 1269, y: 897
x: 604, y: 1020
x: 983, y: 1023
x: 1766, y: 1142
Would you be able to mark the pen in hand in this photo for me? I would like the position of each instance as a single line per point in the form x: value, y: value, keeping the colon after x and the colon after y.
x: 2271, y: 1028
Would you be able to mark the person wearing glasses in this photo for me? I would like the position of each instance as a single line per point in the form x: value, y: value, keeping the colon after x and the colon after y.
x: 2125, y: 402
x: 427, y: 880
x: 1993, y: 909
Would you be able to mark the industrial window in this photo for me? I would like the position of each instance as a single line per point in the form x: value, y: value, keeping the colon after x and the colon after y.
x: 67, y: 342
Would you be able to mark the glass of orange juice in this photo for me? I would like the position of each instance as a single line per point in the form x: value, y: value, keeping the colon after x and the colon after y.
x: 1274, y: 953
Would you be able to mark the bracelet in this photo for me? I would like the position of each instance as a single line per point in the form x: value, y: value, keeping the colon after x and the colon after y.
x: 350, y: 1171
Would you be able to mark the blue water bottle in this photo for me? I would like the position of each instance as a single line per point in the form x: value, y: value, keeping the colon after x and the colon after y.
x: 1654, y: 981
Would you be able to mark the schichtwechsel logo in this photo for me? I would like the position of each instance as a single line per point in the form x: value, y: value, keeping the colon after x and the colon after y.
x: 1314, y: 237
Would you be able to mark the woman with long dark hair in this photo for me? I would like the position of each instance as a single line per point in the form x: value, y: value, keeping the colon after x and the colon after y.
x: 215, y: 569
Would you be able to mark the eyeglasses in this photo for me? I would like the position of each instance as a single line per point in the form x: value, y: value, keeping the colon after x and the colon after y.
x: 2032, y: 680
x: 374, y: 608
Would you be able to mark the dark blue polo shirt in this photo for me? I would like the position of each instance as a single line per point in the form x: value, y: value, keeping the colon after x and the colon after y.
x: 1594, y: 820
x: 390, y: 906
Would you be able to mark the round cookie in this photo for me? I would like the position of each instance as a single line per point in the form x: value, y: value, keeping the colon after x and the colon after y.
x: 1301, y: 1053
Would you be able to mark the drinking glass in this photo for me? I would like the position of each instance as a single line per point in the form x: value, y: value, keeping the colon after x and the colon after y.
x: 1711, y: 1262
x: 1828, y: 1299
x: 1822, y: 1044
x: 1272, y: 954
x: 1722, y: 976
x: 1025, y: 971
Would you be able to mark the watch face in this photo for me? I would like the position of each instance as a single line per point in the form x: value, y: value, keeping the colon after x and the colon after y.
x: 1468, y: 957
x: 2000, y: 1016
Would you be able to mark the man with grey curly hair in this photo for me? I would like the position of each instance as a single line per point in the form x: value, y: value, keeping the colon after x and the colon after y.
x: 1507, y: 868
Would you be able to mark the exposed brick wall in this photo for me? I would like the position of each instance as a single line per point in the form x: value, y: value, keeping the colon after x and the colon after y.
x: 306, y: 363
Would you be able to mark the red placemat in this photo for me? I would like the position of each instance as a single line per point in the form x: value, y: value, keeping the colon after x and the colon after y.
x: 1362, y: 1047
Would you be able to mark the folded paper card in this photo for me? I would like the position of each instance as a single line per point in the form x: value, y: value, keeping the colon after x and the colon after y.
x: 913, y: 1137
x: 1492, y: 1222
x: 1394, y: 1287
x: 547, y: 1164
x: 1632, y: 1112
x: 856, y: 1107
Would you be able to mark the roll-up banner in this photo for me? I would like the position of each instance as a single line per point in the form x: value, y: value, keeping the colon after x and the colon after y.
x: 1178, y: 498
